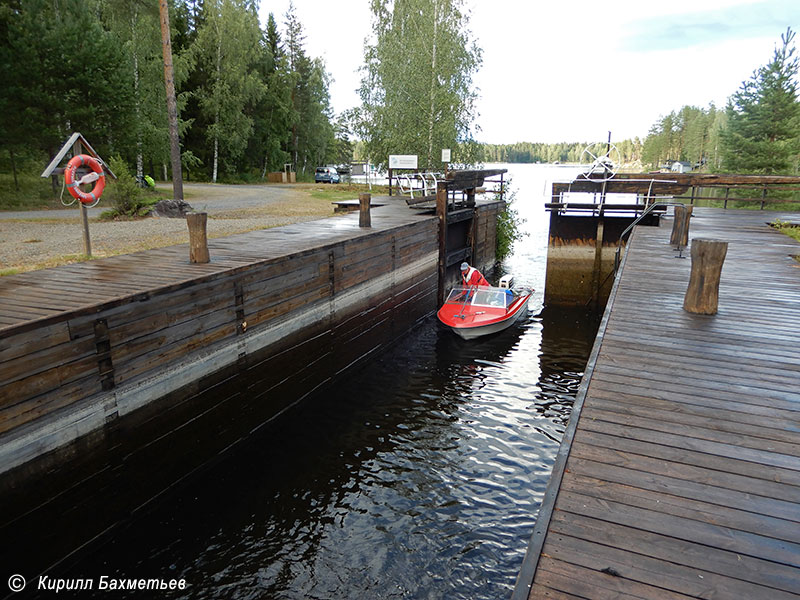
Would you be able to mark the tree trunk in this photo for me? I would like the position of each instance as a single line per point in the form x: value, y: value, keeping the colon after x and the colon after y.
x: 216, y: 159
x: 702, y: 295
x: 215, y: 167
x: 172, y: 104
x: 433, y: 84
x: 136, y: 101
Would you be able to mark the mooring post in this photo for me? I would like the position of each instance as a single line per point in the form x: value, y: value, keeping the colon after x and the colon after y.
x: 680, y: 226
x: 364, y: 219
x: 702, y: 295
x: 198, y: 241
x: 441, y: 213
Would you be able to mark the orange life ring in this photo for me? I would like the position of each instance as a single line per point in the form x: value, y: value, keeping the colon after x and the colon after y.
x: 72, y: 185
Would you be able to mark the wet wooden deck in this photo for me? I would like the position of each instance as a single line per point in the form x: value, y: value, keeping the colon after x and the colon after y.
x: 29, y: 299
x: 679, y: 473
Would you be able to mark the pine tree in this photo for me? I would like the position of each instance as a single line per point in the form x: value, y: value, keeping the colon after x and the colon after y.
x: 272, y: 114
x: 63, y: 72
x: 311, y: 129
x: 763, y: 130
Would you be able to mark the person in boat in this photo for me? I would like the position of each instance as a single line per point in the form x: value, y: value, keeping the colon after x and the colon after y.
x: 471, y: 276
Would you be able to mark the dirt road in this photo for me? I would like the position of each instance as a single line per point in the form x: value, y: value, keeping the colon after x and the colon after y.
x: 39, y: 239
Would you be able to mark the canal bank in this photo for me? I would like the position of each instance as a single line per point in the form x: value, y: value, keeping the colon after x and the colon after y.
x: 118, y: 365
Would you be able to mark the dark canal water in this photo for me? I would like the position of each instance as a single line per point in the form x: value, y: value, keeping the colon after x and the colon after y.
x: 417, y: 477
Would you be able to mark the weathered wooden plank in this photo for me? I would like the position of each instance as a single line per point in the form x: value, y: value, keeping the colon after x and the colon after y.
x: 709, y: 534
x: 682, y: 414
x: 594, y: 584
x: 681, y: 490
x: 692, y: 581
x: 775, y: 482
x: 687, y: 553
x: 153, y: 351
x: 687, y: 449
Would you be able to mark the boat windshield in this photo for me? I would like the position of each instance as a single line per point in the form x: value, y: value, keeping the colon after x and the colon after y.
x: 492, y: 297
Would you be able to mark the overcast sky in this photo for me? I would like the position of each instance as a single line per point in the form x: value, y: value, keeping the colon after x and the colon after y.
x: 573, y: 70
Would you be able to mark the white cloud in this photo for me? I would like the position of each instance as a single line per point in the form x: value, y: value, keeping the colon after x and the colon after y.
x: 571, y: 70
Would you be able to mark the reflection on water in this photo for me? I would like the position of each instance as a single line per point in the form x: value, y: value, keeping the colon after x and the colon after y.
x: 417, y: 477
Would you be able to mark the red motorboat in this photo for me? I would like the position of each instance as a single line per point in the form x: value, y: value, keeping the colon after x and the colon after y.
x: 481, y: 310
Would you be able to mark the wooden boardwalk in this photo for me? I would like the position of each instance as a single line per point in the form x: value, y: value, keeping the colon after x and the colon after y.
x: 679, y: 474
x: 29, y: 298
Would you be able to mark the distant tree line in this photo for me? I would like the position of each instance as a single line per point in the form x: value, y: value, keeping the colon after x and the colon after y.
x: 757, y: 132
x: 565, y: 152
x: 250, y: 99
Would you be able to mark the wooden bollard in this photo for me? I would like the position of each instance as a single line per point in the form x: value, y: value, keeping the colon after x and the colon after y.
x: 364, y: 219
x: 702, y: 295
x: 198, y: 241
x: 680, y: 226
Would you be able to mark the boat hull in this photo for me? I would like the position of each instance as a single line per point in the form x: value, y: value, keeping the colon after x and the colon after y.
x: 472, y: 322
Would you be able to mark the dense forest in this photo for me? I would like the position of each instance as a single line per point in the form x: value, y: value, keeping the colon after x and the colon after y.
x: 757, y: 132
x: 527, y: 152
x: 250, y: 98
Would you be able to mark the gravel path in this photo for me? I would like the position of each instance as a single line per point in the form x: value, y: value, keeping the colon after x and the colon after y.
x: 39, y: 239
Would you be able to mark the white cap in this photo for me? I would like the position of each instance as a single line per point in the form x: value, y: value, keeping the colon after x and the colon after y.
x: 464, y: 266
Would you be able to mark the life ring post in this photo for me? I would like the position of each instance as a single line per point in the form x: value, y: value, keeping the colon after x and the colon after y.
x: 198, y: 240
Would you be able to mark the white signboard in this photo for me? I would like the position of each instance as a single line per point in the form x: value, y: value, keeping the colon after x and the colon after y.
x: 445, y: 154
x: 402, y: 161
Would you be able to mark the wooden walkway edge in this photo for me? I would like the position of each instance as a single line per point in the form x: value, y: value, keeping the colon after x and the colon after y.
x: 679, y: 473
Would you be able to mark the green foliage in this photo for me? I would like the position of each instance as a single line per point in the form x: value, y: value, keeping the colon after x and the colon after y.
x: 758, y: 132
x: 417, y: 93
x: 311, y: 129
x: 127, y: 197
x: 509, y: 224
x: 62, y: 71
x: 763, y: 131
x: 30, y: 192
x: 224, y: 48
x: 690, y: 135
x: 565, y: 152
x: 247, y: 101
x: 790, y: 229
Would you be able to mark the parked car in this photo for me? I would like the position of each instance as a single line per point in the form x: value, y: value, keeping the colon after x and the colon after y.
x: 326, y: 175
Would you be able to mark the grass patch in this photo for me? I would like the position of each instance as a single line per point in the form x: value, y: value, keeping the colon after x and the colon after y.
x: 790, y: 229
x: 35, y: 193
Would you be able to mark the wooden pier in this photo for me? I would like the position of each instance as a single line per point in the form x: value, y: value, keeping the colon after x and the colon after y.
x: 679, y: 473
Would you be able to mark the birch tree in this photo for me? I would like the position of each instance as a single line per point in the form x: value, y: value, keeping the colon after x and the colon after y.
x: 417, y: 92
x: 227, y: 46
x: 136, y: 24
